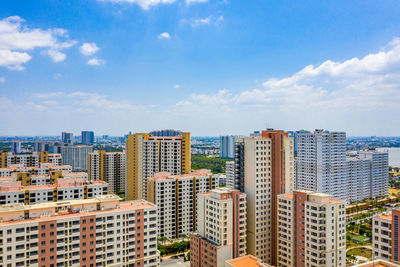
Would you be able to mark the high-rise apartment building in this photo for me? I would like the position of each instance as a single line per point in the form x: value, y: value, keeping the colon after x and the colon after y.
x: 27, y: 159
x: 92, y: 232
x: 386, y: 236
x: 87, y: 137
x: 147, y: 154
x: 321, y: 163
x: 109, y: 167
x: 379, y: 166
x: 227, y: 146
x: 176, y: 198
x: 67, y: 138
x: 368, y: 173
x: 76, y: 156
x: 263, y: 170
x: 311, y: 230
x: 230, y: 174
x: 221, y: 230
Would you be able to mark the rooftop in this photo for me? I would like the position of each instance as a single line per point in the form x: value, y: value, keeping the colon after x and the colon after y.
x: 246, y: 261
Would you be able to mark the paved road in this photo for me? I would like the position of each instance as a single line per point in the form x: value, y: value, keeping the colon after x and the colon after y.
x: 174, y: 262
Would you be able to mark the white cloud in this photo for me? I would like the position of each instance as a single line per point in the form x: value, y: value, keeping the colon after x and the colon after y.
x: 144, y: 4
x: 57, y: 56
x: 176, y: 86
x: 351, y: 94
x: 16, y: 40
x: 188, y: 2
x: 2, y: 79
x: 210, y: 20
x: 88, y: 49
x: 164, y: 35
x: 96, y: 61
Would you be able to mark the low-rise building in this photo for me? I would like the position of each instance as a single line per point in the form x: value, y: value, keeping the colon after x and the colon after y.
x: 246, y: 261
x: 93, y: 232
x: 62, y: 189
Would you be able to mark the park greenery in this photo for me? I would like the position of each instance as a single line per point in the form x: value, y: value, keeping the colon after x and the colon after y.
x: 167, y: 248
x: 215, y: 164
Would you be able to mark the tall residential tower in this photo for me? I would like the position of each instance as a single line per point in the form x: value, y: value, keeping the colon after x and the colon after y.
x: 147, y: 154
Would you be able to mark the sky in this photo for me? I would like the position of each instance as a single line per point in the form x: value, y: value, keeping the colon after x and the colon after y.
x: 211, y: 67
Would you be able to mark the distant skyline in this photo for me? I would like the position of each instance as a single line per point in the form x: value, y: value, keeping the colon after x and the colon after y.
x: 209, y: 67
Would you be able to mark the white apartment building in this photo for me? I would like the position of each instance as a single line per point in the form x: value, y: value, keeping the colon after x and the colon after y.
x: 26, y: 159
x: 379, y: 165
x: 43, y: 169
x: 55, y: 159
x: 108, y: 167
x: 76, y: 156
x: 93, y: 232
x: 230, y: 174
x: 221, y: 231
x: 385, y: 236
x: 63, y: 189
x: 321, y: 163
x: 176, y: 198
x: 311, y: 230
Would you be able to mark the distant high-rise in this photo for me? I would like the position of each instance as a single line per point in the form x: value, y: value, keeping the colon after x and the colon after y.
x: 87, y: 137
x: 221, y: 228
x: 311, y: 231
x: 166, y: 132
x: 321, y: 163
x: 368, y: 173
x: 147, y: 154
x: 67, y: 138
x: 76, y: 156
x: 227, y: 147
x: 16, y: 147
x: 263, y: 170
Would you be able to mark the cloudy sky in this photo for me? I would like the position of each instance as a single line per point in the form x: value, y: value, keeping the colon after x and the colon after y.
x: 207, y: 66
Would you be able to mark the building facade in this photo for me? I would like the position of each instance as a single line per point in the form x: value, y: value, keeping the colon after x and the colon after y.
x: 109, y: 167
x: 368, y: 173
x: 60, y: 189
x: 385, y: 236
x: 221, y: 231
x: 176, y: 197
x: 147, y: 154
x: 227, y: 146
x: 263, y: 170
x: 76, y: 156
x: 230, y: 174
x: 93, y: 232
x: 87, y: 137
x: 27, y: 159
x: 67, y: 138
x: 321, y: 163
x: 311, y: 231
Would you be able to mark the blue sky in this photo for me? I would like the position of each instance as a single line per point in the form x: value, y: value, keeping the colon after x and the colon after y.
x: 209, y: 67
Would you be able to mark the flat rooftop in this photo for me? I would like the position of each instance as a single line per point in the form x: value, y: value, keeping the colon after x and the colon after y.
x: 246, y: 261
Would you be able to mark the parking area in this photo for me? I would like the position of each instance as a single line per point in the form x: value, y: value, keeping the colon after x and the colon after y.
x: 174, y: 261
